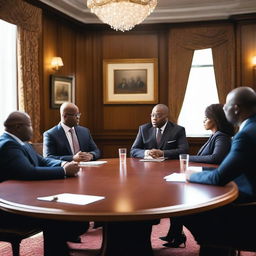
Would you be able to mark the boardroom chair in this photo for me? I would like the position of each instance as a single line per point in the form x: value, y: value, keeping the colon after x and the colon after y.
x: 15, y: 235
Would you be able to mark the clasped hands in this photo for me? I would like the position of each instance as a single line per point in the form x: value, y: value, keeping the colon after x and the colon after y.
x: 82, y: 157
x: 72, y: 168
x: 156, y: 153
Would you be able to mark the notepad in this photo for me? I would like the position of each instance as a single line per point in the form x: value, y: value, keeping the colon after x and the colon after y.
x: 72, y: 198
x: 92, y: 163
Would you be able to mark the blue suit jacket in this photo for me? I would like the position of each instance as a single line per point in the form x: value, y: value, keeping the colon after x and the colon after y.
x: 22, y: 162
x: 238, y: 166
x: 56, y: 144
x: 173, y: 141
x: 214, y: 150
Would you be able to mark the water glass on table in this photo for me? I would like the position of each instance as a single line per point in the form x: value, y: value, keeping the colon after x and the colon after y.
x: 184, y: 160
x: 122, y: 154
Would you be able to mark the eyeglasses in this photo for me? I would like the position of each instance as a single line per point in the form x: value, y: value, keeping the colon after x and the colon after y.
x: 155, y: 115
x: 74, y: 115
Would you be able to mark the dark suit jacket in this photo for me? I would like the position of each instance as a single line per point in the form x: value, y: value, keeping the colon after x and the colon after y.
x: 173, y: 141
x: 22, y: 162
x: 238, y: 166
x: 56, y: 144
x: 214, y: 150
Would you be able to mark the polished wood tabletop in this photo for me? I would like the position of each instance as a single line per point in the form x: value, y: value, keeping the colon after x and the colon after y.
x: 133, y: 191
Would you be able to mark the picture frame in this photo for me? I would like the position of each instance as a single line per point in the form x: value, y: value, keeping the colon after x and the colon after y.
x: 130, y: 81
x: 62, y: 90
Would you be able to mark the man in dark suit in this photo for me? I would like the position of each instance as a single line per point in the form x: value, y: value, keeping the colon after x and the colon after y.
x: 68, y: 141
x: 232, y: 222
x: 18, y: 160
x: 160, y: 138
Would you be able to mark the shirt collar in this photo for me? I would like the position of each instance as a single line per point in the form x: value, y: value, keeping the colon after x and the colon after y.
x: 163, y: 127
x: 242, y: 124
x: 15, y: 137
x: 65, y: 127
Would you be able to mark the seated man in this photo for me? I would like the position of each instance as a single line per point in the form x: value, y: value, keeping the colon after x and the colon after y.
x: 160, y: 138
x: 229, y: 225
x: 18, y: 160
x: 68, y: 141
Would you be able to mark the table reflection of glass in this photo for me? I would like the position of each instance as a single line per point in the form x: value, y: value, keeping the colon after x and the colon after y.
x: 135, y: 194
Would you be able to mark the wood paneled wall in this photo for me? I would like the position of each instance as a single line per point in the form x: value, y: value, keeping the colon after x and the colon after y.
x: 83, y: 49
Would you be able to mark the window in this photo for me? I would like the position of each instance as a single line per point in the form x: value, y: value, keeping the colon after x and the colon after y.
x: 201, y: 92
x: 8, y: 71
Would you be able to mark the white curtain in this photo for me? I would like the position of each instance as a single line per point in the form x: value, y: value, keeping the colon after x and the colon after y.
x: 8, y: 70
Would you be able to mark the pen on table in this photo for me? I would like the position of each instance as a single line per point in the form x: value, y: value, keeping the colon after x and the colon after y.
x: 54, y: 199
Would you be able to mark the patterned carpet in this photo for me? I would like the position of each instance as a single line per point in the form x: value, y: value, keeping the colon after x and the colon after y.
x: 91, y: 242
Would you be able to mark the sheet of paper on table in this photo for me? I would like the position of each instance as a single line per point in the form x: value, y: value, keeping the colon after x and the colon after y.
x: 178, y: 177
x: 72, y: 198
x: 92, y: 163
x: 151, y: 159
x: 181, y: 177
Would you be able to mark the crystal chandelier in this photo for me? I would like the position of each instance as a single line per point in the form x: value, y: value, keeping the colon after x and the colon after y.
x: 122, y: 14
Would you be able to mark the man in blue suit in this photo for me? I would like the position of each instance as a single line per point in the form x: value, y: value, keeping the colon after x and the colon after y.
x: 160, y: 138
x: 68, y: 141
x: 232, y: 222
x: 18, y: 160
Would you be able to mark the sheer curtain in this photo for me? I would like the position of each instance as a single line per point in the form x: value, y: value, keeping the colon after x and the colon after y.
x: 8, y: 70
x: 28, y: 19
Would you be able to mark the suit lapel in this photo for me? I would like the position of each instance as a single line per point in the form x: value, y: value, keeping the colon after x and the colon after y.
x: 164, y: 135
x: 64, y: 138
x: 31, y: 154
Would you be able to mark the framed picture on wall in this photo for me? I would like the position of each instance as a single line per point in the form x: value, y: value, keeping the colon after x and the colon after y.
x: 62, y: 90
x: 130, y: 81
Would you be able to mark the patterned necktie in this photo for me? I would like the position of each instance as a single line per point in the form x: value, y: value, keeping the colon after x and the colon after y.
x: 75, y: 142
x: 158, y: 136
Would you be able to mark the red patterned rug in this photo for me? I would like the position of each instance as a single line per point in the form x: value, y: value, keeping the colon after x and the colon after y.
x: 91, y: 243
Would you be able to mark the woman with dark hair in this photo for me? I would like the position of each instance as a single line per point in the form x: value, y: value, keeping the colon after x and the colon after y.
x: 212, y: 152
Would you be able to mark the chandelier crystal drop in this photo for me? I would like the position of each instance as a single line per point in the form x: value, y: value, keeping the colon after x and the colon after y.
x: 122, y: 14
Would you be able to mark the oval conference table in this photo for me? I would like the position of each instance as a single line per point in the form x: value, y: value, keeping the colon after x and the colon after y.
x: 135, y: 196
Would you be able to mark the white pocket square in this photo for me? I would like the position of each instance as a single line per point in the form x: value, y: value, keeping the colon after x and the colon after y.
x: 171, y: 141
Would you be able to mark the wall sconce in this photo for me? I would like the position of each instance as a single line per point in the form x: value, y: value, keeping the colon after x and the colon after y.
x: 254, y: 70
x: 56, y: 63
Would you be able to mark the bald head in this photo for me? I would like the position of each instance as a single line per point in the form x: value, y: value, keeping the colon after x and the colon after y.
x: 19, y: 124
x: 240, y: 104
x: 69, y: 113
x: 159, y: 115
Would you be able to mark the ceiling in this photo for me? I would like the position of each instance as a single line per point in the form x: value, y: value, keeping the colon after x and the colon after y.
x: 166, y: 11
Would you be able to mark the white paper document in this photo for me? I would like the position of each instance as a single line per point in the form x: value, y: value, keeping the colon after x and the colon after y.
x: 72, y: 198
x: 178, y: 177
x: 195, y: 168
x: 160, y: 159
x: 92, y: 163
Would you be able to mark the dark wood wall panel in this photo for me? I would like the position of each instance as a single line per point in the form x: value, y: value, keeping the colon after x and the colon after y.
x: 83, y: 50
x: 248, y: 50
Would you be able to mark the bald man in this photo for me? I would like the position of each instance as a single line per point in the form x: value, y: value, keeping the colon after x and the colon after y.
x: 160, y: 138
x: 68, y: 141
x: 230, y: 224
x: 18, y: 160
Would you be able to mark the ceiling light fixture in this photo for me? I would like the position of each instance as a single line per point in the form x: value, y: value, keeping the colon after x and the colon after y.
x: 122, y: 14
